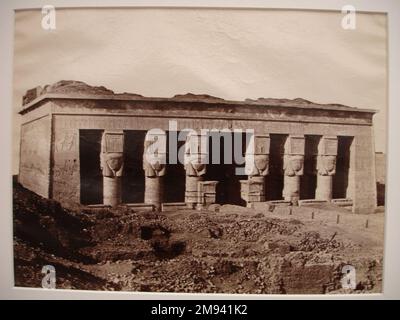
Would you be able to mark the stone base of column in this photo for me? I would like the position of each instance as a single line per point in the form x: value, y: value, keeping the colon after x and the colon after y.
x: 291, y: 189
x: 112, y: 191
x: 191, y: 190
x: 154, y: 191
x: 207, y: 193
x: 324, y: 187
x: 253, y: 190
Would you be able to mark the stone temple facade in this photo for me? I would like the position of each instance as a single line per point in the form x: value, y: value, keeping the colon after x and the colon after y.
x: 87, y: 145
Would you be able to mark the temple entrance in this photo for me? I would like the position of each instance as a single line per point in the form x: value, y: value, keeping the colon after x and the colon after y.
x: 274, y: 181
x: 308, y: 182
x: 340, y: 183
x: 90, y: 172
x: 222, y: 166
x: 133, y: 176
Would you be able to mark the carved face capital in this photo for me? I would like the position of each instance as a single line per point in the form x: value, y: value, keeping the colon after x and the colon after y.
x: 195, y: 163
x: 111, y: 157
x: 155, y: 156
x: 262, y: 164
x: 112, y: 164
x: 326, y: 165
x: 293, y: 165
x: 257, y: 165
x: 154, y: 169
x: 154, y: 165
x: 195, y: 167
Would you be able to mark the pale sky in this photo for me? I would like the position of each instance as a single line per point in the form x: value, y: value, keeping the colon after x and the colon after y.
x: 233, y: 54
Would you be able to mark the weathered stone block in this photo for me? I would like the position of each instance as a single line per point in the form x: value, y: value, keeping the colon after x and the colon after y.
x: 207, y: 192
x: 173, y: 206
x: 310, y: 202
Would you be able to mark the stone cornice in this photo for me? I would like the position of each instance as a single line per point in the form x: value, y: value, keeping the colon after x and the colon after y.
x: 268, y: 103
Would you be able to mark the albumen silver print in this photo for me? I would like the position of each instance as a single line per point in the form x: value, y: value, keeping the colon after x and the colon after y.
x: 195, y: 150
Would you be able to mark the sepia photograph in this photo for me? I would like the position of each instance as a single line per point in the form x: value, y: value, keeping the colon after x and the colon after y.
x: 200, y: 150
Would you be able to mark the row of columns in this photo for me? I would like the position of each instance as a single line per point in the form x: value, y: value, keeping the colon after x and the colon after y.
x: 199, y: 192
x: 257, y: 162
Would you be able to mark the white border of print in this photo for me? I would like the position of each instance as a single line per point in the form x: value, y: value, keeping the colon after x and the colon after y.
x: 392, y: 234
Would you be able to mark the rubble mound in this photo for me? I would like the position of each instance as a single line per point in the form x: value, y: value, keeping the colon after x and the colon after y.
x: 47, y: 225
x: 71, y: 86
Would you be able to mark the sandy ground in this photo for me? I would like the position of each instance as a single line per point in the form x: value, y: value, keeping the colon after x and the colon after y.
x: 231, y: 250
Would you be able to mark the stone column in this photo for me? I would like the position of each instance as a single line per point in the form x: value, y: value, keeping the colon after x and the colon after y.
x: 326, y: 167
x: 293, y: 166
x: 154, y: 166
x: 195, y: 166
x: 112, y: 163
x: 257, y: 168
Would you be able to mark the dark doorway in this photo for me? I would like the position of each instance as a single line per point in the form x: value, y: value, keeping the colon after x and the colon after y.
x: 341, y: 178
x: 380, y: 193
x: 274, y: 181
x: 90, y: 171
x: 308, y: 182
x: 224, y: 171
x: 133, y: 177
x: 175, y: 177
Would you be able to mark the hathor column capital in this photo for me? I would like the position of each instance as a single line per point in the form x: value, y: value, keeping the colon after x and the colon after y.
x: 195, y: 162
x: 257, y: 156
x: 326, y: 166
x: 293, y: 166
x: 256, y: 168
x: 196, y: 154
x: 112, y: 164
x: 154, y: 166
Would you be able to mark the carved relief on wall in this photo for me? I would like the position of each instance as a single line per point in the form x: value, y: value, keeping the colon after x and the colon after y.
x: 66, y: 168
x: 67, y: 142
